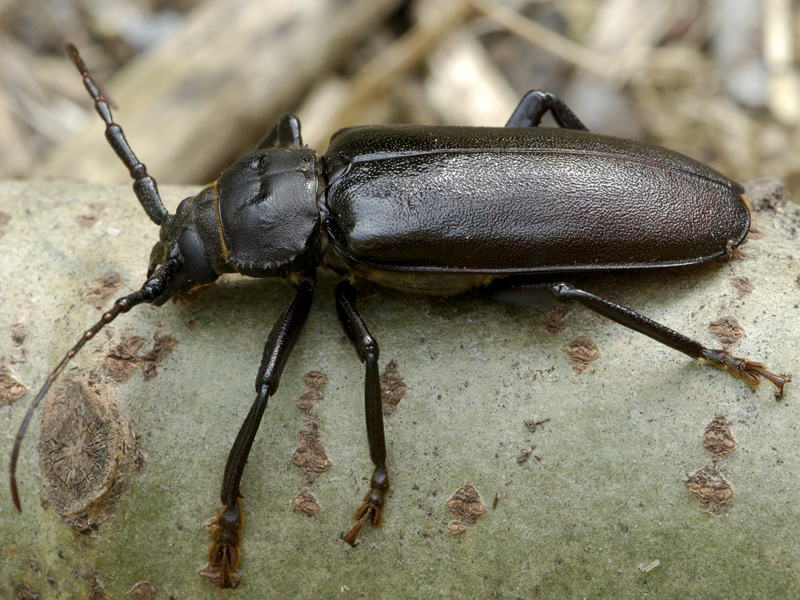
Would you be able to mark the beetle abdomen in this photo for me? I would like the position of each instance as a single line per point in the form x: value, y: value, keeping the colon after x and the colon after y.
x: 500, y: 200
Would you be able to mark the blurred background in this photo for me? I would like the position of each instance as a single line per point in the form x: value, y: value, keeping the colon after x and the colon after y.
x: 198, y: 82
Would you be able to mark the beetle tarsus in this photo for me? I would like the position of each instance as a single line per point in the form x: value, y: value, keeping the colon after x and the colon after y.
x: 350, y: 537
x: 372, y: 509
x: 224, y: 555
x: 749, y: 371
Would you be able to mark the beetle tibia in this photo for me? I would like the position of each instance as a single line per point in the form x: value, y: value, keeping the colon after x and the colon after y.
x: 747, y: 370
x: 372, y: 508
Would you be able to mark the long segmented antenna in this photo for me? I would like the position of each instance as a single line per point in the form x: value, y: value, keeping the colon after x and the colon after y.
x: 152, y: 288
x: 144, y: 186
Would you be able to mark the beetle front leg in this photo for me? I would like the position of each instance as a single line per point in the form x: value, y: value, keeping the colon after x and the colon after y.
x: 367, y: 349
x: 535, y: 104
x: 538, y: 294
x: 225, y: 555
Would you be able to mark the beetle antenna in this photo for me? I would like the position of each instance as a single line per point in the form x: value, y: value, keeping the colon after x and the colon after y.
x: 144, y: 186
x: 152, y: 289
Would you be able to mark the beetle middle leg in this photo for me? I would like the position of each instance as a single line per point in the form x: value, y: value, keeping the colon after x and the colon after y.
x: 226, y: 533
x: 535, y: 104
x: 539, y: 294
x: 367, y: 349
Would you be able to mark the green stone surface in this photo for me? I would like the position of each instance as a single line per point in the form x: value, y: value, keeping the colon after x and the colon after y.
x: 601, y: 496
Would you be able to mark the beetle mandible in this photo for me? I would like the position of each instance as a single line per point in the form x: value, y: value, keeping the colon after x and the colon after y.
x: 437, y: 210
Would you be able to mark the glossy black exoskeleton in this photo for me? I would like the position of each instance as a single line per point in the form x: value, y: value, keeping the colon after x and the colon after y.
x: 436, y: 210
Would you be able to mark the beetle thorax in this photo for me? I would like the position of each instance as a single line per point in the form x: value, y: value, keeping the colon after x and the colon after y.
x: 268, y: 216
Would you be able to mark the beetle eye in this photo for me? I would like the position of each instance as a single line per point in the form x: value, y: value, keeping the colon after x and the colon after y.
x: 196, y: 268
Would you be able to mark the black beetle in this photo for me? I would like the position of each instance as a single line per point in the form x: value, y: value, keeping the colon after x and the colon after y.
x: 437, y: 210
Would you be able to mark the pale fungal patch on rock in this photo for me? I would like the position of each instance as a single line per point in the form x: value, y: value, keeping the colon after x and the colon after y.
x: 743, y: 286
x: 144, y: 590
x: 97, y: 591
x: 711, y: 488
x: 467, y: 506
x: 103, y: 288
x: 708, y: 484
x: 90, y: 218
x: 727, y: 330
x: 525, y: 453
x: 314, y: 381
x: 581, y: 351
x: 310, y: 455
x: 123, y: 358
x: 393, y: 389
x: 19, y: 328
x: 306, y: 503
x: 456, y: 527
x: 718, y: 438
x: 766, y: 194
x: 11, y: 389
x: 555, y: 319
x: 5, y: 219
x: 88, y: 452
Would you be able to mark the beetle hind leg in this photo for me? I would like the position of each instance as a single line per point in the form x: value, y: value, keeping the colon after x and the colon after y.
x: 543, y: 294
x: 367, y: 349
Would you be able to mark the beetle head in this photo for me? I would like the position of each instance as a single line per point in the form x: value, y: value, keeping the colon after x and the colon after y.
x: 191, y: 238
